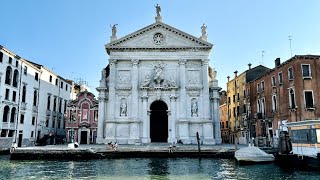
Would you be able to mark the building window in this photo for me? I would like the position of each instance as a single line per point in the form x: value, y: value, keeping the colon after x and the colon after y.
x: 5, y: 114
x: 15, y: 78
x: 10, y: 60
x: 24, y: 92
x: 65, y: 106
x: 238, y: 97
x: 47, y: 122
x: 234, y: 111
x: 308, y: 99
x: 263, y: 106
x: 273, y: 81
x: 258, y: 106
x: 50, y: 78
x: 1, y: 57
x: 258, y: 87
x: 274, y: 103
x: 32, y: 134
x: 17, y: 63
x: 57, y: 82
x: 35, y: 94
x: 262, y: 86
x: 59, y: 124
x: 234, y: 98
x: 36, y: 76
x: 66, y: 87
x: 244, y: 93
x: 61, y: 84
x: 229, y: 99
x: 14, y: 95
x: 21, y: 118
x: 306, y: 71
x: 8, y: 75
x: 280, y: 77
x: 33, y: 120
x: 25, y: 70
x: 60, y: 105
x: 48, y: 102
x: 53, y: 123
x: 292, y: 101
x: 13, y: 115
x: 290, y: 73
x: 7, y: 94
x: 54, y: 103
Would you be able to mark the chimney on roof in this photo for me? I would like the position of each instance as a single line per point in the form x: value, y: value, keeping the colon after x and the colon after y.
x: 228, y: 78
x: 277, y: 62
x: 235, y: 73
x: 249, y: 65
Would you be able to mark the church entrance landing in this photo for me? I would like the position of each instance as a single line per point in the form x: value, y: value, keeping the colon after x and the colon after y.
x: 159, y: 122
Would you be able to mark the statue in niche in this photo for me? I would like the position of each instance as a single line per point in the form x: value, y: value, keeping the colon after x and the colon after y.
x: 158, y: 77
x: 212, y: 73
x: 194, y: 109
x: 123, y: 108
x: 114, y: 30
x: 158, y: 9
x: 204, y: 30
x: 146, y: 81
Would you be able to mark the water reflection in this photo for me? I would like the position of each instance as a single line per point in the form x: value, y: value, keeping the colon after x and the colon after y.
x: 158, y: 168
x: 179, y: 168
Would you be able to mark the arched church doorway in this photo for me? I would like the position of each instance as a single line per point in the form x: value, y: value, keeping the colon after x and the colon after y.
x: 159, y: 122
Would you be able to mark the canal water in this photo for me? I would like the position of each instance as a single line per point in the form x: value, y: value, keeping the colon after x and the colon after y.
x: 153, y: 168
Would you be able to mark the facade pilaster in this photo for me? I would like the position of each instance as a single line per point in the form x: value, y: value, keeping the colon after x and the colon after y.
x: 101, y: 114
x: 183, y: 93
x: 134, y: 84
x: 206, y: 100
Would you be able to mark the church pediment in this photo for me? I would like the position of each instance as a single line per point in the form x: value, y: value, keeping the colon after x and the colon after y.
x: 158, y: 36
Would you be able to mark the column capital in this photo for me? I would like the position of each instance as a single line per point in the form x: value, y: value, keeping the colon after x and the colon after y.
x: 182, y: 62
x: 205, y: 62
x: 135, y: 62
x: 112, y: 62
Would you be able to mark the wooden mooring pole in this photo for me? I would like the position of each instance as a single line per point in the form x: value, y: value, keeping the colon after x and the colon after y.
x: 198, y: 140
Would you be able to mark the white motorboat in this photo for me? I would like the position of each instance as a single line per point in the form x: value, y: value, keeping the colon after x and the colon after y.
x: 253, y: 154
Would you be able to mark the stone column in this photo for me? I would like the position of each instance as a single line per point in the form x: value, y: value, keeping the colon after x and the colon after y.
x: 110, y: 132
x: 101, y: 114
x: 145, y: 117
x: 206, y: 95
x: 215, y: 99
x: 173, y: 117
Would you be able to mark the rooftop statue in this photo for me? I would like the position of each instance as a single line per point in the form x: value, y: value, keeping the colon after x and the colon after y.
x: 114, y: 30
x: 158, y: 9
x: 204, y: 30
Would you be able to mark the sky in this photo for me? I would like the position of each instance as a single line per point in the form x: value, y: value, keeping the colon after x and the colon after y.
x: 68, y: 36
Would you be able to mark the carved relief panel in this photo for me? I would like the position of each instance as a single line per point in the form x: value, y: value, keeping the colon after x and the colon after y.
x: 124, y: 77
x: 193, y: 77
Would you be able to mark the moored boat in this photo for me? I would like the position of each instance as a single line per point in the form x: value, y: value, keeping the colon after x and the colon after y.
x: 253, y: 154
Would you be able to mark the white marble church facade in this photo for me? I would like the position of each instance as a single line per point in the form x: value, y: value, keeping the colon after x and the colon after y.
x: 158, y: 87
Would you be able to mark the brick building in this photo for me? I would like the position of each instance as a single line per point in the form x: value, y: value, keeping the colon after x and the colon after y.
x: 82, y: 118
x: 289, y: 92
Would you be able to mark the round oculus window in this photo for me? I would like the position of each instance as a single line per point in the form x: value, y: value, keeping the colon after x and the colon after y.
x: 158, y: 38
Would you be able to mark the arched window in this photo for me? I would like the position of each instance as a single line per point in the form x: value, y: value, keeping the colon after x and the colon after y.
x: 35, y: 94
x: 15, y: 78
x: 13, y: 115
x: 5, y: 114
x: 54, y: 103
x: 24, y: 92
x: 8, y: 75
